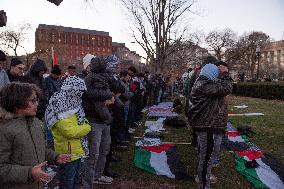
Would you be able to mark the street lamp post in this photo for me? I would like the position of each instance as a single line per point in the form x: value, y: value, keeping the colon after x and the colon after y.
x: 258, y: 57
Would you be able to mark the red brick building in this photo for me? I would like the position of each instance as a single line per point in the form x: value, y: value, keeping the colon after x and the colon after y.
x: 70, y: 44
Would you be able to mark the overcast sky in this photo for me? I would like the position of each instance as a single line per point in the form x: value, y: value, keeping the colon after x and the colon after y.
x: 106, y: 15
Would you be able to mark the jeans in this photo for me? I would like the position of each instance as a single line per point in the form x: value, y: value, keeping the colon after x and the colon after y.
x: 99, y: 145
x: 69, y: 175
x: 208, y: 150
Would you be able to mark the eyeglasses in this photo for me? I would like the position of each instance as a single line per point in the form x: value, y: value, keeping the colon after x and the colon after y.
x: 34, y: 100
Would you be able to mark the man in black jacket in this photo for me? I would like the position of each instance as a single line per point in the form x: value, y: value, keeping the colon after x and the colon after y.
x: 208, y: 116
x: 101, y: 88
x: 16, y: 71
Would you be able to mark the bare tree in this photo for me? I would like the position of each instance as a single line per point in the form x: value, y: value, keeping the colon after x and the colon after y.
x: 185, y: 53
x: 219, y: 41
x: 13, y: 38
x: 156, y: 26
x: 243, y: 54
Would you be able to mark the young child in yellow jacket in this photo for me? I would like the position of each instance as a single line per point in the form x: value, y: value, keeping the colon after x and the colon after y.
x: 66, y: 119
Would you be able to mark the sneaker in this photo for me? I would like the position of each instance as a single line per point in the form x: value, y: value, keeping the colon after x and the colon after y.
x: 213, y: 179
x: 103, y: 180
x: 131, y: 131
x: 110, y: 173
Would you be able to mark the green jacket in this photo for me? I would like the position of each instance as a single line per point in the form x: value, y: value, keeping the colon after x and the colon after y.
x: 22, y: 146
x: 67, y: 136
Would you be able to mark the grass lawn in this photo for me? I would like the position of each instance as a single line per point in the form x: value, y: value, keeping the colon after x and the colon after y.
x: 269, y: 137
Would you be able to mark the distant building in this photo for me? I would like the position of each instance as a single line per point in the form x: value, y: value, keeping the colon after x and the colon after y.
x: 127, y: 58
x: 272, y: 60
x: 271, y: 63
x: 70, y: 44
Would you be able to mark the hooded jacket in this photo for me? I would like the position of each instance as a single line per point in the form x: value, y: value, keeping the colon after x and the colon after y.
x: 98, y: 84
x: 22, y: 146
x: 101, y: 86
x: 32, y: 77
x: 208, y: 109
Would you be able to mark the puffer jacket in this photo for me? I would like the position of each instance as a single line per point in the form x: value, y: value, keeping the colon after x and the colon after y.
x: 101, y: 86
x: 208, y: 109
x: 67, y: 134
x: 22, y: 146
x: 98, y: 91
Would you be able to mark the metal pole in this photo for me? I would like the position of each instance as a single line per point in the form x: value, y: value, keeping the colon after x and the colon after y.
x: 258, y: 65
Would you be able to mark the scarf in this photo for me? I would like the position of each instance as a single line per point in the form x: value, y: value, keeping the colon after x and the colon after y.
x: 66, y: 102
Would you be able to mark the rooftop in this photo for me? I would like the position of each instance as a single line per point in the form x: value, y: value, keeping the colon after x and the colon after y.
x: 70, y: 29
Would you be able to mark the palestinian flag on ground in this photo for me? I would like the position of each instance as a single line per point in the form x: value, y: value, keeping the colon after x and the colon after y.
x: 269, y: 173
x: 261, y: 169
x: 234, y: 136
x: 160, y: 160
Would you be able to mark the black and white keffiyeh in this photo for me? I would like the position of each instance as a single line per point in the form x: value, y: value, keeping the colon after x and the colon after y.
x: 66, y: 102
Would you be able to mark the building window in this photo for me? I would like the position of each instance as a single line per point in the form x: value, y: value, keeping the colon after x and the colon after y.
x: 278, y: 56
x: 82, y: 40
x: 46, y: 36
x: 77, y: 39
x: 99, y: 41
x: 93, y: 41
x: 88, y: 41
x: 65, y: 38
x: 271, y: 57
x: 104, y: 41
x: 71, y: 38
x: 109, y: 41
x: 52, y: 37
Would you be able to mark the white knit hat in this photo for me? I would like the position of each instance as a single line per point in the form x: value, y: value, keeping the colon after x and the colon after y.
x: 87, y: 60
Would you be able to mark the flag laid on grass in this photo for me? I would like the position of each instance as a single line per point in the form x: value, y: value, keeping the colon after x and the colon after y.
x: 259, y: 168
x: 268, y: 174
x: 234, y: 136
x: 160, y: 160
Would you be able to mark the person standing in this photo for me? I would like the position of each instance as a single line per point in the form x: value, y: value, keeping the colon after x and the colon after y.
x: 96, y: 101
x: 208, y: 116
x: 23, y: 154
x: 4, y: 80
x: 53, y: 81
x: 65, y: 117
x: 71, y: 71
x: 16, y: 71
x: 86, y: 66
x: 35, y: 76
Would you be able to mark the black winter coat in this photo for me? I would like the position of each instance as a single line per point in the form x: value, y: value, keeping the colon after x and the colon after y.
x: 208, y: 110
x: 101, y: 86
x: 32, y: 77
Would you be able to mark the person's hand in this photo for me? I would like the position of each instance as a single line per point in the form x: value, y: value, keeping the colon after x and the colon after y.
x: 38, y: 174
x: 109, y: 101
x: 223, y: 69
x: 63, y: 158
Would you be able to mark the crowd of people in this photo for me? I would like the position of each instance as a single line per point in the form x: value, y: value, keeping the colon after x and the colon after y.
x: 84, y: 118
